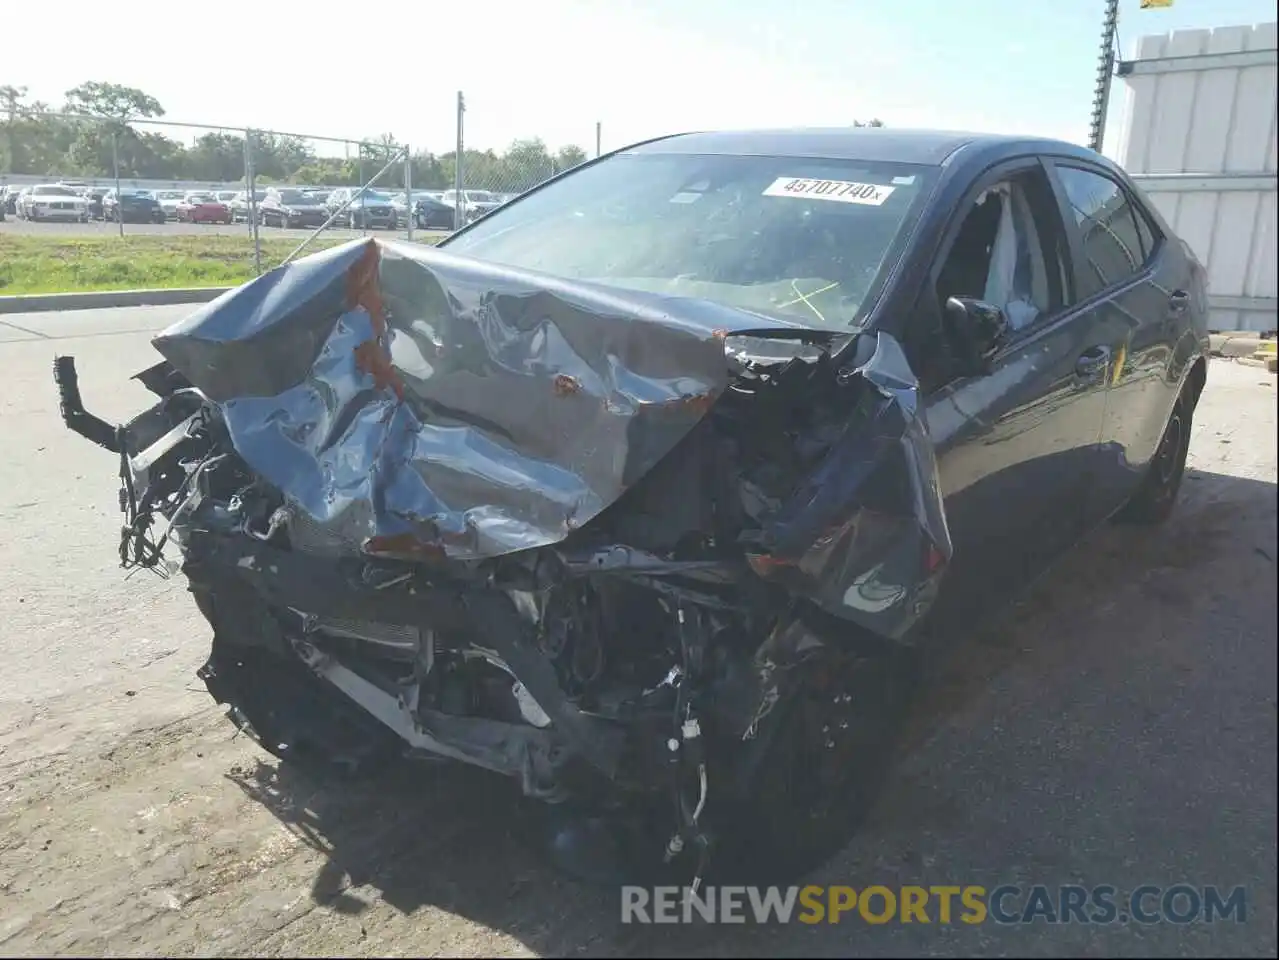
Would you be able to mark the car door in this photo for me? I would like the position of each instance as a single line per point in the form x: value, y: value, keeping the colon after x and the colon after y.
x: 1016, y: 447
x: 1136, y: 287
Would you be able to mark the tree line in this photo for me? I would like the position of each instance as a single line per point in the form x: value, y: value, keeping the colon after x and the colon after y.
x: 96, y: 129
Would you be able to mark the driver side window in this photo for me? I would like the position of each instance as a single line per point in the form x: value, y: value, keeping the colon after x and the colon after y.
x: 1008, y: 252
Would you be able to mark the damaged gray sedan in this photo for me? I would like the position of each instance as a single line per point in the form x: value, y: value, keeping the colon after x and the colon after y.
x: 652, y: 489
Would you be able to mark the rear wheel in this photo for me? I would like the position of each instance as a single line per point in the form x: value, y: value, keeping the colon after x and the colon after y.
x: 1155, y: 498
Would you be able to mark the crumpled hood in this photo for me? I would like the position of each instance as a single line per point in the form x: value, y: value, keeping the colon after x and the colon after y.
x: 413, y: 403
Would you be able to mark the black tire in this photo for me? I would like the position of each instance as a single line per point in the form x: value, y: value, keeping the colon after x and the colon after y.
x: 828, y: 754
x: 1157, y: 496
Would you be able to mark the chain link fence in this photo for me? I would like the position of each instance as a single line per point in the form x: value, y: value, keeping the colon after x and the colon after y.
x: 259, y: 197
x: 485, y: 179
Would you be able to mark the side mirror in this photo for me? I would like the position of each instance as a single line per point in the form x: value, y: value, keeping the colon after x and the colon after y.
x: 976, y: 329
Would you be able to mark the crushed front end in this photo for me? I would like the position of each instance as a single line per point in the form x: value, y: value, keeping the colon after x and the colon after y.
x: 640, y: 554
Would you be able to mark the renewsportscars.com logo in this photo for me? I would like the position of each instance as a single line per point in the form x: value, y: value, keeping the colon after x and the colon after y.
x: 1180, y: 903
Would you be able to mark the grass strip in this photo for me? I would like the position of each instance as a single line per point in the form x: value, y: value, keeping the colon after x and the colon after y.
x: 70, y: 264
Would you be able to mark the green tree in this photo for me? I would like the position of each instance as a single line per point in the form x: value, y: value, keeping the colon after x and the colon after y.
x: 37, y: 140
x: 113, y: 101
x: 98, y: 141
x: 278, y: 156
x: 569, y: 156
x: 215, y: 156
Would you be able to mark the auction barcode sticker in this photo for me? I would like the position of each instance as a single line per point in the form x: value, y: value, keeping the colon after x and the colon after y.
x: 841, y: 191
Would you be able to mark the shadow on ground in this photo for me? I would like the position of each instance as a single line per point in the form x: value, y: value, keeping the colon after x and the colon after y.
x: 453, y: 838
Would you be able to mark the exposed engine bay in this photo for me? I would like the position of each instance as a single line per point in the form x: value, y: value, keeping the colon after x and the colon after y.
x: 597, y: 541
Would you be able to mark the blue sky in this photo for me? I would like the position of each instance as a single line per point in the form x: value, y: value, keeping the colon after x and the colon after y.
x: 552, y: 68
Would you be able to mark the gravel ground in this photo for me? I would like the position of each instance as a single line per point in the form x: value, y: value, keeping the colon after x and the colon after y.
x: 1119, y: 726
x: 13, y: 225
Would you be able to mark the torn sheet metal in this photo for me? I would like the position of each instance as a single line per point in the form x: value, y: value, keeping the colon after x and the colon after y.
x: 415, y: 404
x: 866, y: 535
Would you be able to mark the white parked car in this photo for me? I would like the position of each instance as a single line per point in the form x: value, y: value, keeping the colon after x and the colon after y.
x: 475, y: 203
x: 53, y: 201
x: 169, y: 200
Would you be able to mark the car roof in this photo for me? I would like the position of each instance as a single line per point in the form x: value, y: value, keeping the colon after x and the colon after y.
x: 928, y: 147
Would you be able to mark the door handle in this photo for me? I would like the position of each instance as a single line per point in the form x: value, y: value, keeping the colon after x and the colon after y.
x: 1092, y: 362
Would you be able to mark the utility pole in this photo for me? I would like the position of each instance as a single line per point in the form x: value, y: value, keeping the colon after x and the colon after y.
x: 1105, y: 72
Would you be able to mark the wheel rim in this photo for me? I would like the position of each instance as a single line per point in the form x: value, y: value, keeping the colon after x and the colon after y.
x: 1169, y: 449
x: 827, y: 747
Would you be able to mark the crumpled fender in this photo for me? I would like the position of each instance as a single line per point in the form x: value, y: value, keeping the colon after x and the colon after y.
x: 866, y: 536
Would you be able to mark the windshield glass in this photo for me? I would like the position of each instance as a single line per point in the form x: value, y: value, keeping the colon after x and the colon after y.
x: 56, y: 192
x: 138, y: 194
x: 798, y: 237
x: 479, y: 196
x: 372, y: 196
x: 199, y: 198
x: 293, y: 196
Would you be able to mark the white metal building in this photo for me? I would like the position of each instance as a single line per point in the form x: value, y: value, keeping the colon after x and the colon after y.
x: 1199, y: 135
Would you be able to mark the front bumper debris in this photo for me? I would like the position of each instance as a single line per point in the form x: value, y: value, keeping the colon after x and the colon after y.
x: 588, y: 539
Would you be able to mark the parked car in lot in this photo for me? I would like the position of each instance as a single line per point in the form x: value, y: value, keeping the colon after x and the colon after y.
x: 53, y: 201
x: 132, y: 206
x: 94, y: 196
x: 432, y: 213
x: 371, y: 209
x: 240, y: 205
x: 169, y: 201
x: 730, y: 432
x: 475, y: 203
x: 319, y: 196
x: 18, y: 197
x: 9, y: 197
x: 203, y: 208
x: 286, y: 207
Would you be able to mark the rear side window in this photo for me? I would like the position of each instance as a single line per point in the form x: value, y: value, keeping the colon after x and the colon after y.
x: 1113, y: 244
x: 1149, y: 235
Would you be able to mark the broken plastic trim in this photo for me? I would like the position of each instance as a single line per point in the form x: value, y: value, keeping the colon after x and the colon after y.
x: 288, y: 579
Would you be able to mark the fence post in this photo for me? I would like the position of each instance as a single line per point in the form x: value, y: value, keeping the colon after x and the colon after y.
x: 598, y: 126
x: 250, y: 183
x: 459, y: 201
x: 364, y: 230
x: 115, y: 166
x: 408, y: 186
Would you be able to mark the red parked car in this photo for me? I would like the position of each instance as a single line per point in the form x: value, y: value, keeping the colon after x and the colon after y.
x: 203, y: 208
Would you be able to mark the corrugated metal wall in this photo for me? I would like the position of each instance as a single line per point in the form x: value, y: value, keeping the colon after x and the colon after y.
x: 1199, y: 135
